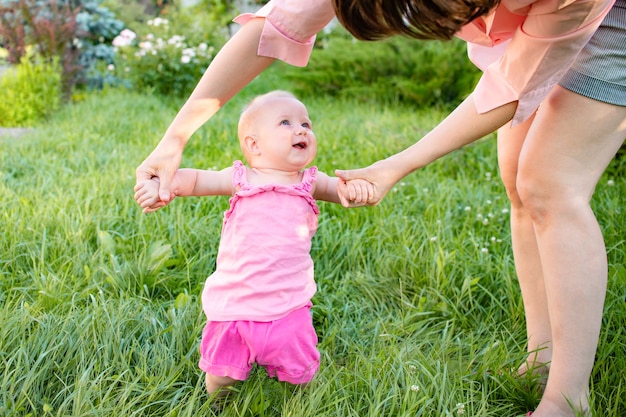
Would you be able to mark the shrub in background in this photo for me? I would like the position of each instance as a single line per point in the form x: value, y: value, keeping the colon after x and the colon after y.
x: 398, y: 69
x: 132, y: 11
x: 76, y: 32
x: 29, y: 92
x: 169, y: 54
x: 96, y: 50
x: 50, y: 27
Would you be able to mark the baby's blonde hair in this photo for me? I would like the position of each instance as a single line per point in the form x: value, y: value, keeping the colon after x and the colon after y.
x: 250, y: 108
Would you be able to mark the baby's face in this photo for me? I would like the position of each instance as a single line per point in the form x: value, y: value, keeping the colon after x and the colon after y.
x: 284, y: 133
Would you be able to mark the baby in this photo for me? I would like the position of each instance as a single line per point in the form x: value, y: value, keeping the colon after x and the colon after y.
x: 258, y: 300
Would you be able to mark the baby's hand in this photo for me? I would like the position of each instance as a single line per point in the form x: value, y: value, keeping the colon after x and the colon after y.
x: 147, y: 195
x: 355, y: 193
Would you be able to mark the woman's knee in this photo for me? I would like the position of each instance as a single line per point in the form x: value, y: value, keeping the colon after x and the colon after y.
x: 509, y: 180
x: 537, y: 198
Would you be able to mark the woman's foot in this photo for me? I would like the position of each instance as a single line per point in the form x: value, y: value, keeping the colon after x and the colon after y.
x: 549, y: 406
x: 538, y: 371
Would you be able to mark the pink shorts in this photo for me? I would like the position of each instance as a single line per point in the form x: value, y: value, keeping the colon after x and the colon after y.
x: 285, y: 347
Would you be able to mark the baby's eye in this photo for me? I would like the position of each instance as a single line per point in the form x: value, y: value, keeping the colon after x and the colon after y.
x: 306, y: 125
x: 285, y: 122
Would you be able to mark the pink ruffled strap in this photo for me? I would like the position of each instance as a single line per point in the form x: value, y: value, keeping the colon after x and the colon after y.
x: 308, y: 178
x: 239, y: 175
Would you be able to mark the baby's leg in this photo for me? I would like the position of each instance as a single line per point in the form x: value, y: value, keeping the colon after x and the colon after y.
x: 290, y: 352
x: 219, y: 384
x: 224, y: 355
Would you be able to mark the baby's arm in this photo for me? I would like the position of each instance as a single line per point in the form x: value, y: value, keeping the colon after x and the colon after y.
x: 186, y: 182
x: 354, y: 193
x: 201, y: 182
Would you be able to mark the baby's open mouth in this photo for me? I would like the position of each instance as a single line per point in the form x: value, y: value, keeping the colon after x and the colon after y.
x: 300, y: 145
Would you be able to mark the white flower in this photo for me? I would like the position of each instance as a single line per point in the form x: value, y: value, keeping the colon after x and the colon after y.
x: 415, y: 388
x: 127, y: 33
x: 158, y: 22
x: 120, y: 40
x: 185, y: 59
x: 110, y: 67
x: 460, y: 408
x: 176, y: 40
x: 189, y: 52
x: 146, y: 46
x: 610, y: 183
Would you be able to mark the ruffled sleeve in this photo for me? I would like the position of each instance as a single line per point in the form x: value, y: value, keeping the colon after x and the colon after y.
x: 309, y: 176
x: 290, y: 28
x: 541, y: 50
x: 239, y: 175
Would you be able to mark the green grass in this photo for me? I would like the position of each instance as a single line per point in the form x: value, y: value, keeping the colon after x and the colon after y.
x: 418, y: 309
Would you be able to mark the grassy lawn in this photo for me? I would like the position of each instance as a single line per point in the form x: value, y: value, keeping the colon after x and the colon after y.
x: 418, y: 309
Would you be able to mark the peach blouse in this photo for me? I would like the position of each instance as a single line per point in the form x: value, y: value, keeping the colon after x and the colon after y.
x: 523, y: 46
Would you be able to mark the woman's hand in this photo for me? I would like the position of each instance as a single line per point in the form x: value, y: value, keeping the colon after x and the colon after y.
x: 354, y: 193
x: 380, y: 178
x: 162, y: 163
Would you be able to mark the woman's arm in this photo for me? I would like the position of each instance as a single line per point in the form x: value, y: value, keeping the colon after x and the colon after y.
x: 233, y: 67
x: 463, y: 126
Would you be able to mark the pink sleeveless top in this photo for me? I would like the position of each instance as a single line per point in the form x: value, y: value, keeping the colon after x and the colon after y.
x: 264, y: 268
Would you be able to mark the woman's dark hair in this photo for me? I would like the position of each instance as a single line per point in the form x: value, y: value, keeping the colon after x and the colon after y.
x: 422, y: 19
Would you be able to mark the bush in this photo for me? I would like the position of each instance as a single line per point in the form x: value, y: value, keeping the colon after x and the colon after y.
x: 29, y: 92
x: 168, y: 57
x: 131, y: 11
x: 77, y: 33
x: 399, y: 69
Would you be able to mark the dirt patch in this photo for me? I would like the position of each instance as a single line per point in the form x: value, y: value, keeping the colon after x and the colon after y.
x: 14, y: 132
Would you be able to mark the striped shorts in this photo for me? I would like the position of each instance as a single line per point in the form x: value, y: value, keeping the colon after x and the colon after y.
x: 599, y: 72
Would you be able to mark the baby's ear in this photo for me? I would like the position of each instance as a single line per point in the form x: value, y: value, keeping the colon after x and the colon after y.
x: 251, y: 145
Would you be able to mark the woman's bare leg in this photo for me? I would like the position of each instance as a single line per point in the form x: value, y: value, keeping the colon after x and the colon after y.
x: 570, y: 144
x: 525, y: 253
